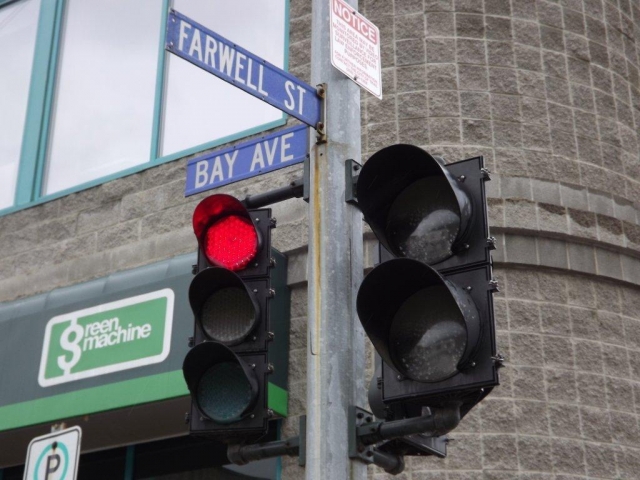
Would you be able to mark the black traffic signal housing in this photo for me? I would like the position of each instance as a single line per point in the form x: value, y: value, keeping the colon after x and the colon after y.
x: 232, y: 295
x: 427, y: 307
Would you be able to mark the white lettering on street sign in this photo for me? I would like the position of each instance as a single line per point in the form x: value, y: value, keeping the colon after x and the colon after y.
x: 237, y: 66
x: 54, y: 456
x: 355, y: 47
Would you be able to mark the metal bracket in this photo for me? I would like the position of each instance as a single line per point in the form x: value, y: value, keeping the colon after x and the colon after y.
x: 306, y: 176
x: 302, y: 435
x: 499, y: 360
x: 486, y: 174
x: 358, y: 417
x: 351, y: 169
x: 240, y: 454
x: 321, y: 126
x: 294, y: 190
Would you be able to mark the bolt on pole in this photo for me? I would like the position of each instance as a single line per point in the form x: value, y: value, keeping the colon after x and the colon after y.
x: 336, y: 352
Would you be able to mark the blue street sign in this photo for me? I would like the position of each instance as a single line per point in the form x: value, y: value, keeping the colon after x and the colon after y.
x: 247, y: 71
x: 249, y: 159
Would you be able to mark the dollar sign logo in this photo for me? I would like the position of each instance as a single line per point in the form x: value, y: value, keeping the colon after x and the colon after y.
x: 70, y: 346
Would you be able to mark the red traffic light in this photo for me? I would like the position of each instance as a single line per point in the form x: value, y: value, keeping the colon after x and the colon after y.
x: 225, y: 232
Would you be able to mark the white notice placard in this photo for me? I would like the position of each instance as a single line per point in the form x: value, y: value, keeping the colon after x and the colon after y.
x: 355, y: 47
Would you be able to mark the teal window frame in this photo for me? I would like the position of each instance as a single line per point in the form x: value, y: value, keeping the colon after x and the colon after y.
x: 41, y: 96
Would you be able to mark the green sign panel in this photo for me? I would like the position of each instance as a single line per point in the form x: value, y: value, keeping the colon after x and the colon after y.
x: 107, y: 338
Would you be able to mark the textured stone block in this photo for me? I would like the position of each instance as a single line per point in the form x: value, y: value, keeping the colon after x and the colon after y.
x: 468, y: 25
x: 588, y: 356
x: 600, y: 459
x: 472, y: 77
x: 624, y: 427
x: 549, y: 13
x: 441, y: 50
x: 552, y: 38
x: 444, y: 130
x: 560, y: 385
x: 497, y: 28
x: 534, y: 453
x: 471, y: 51
x: 568, y: 456
x: 412, y: 105
x: 503, y: 80
x: 410, y: 52
x: 440, y: 25
x: 620, y: 394
x: 500, y: 54
x: 558, y: 352
x: 442, y: 77
x: 616, y: 361
x: 553, y: 287
x: 526, y: 349
x: 528, y: 383
x: 564, y: 420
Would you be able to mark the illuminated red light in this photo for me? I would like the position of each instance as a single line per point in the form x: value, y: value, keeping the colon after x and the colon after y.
x: 231, y: 242
x: 225, y: 232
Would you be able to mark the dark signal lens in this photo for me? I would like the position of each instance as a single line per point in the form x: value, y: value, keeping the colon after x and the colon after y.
x: 231, y: 242
x: 229, y: 315
x: 428, y: 335
x: 224, y: 392
x: 424, y: 221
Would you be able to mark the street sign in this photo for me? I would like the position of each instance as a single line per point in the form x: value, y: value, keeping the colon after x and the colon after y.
x: 54, y: 456
x: 355, y: 47
x: 235, y: 65
x: 249, y: 159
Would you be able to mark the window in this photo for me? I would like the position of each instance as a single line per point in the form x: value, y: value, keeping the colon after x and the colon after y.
x: 18, y: 28
x: 90, y: 94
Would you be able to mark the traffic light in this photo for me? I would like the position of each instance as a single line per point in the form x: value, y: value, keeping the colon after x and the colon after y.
x: 427, y: 307
x: 231, y: 295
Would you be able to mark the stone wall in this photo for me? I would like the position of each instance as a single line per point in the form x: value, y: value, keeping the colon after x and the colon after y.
x: 549, y: 93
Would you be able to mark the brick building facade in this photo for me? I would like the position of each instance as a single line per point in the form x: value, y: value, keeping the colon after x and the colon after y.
x: 549, y: 93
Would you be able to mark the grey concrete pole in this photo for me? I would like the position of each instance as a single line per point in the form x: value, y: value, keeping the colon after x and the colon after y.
x: 335, y: 357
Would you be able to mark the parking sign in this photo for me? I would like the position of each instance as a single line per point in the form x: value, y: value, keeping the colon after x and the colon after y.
x: 54, y: 456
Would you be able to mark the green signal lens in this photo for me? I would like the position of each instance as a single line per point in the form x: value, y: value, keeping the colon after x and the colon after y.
x: 224, y: 393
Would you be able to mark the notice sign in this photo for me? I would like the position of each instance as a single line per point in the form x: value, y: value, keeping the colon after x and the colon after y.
x: 355, y: 47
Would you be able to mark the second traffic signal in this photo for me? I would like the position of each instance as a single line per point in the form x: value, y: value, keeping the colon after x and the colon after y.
x: 427, y: 308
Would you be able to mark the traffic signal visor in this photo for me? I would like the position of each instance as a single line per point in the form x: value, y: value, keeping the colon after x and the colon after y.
x: 413, y: 205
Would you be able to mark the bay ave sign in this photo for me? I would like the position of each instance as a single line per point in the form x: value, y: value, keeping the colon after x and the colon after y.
x: 233, y: 64
x: 255, y: 157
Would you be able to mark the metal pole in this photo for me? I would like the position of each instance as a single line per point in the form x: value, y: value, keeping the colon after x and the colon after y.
x: 335, y: 356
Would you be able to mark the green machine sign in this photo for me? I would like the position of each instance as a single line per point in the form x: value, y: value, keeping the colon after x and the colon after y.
x: 128, y: 333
